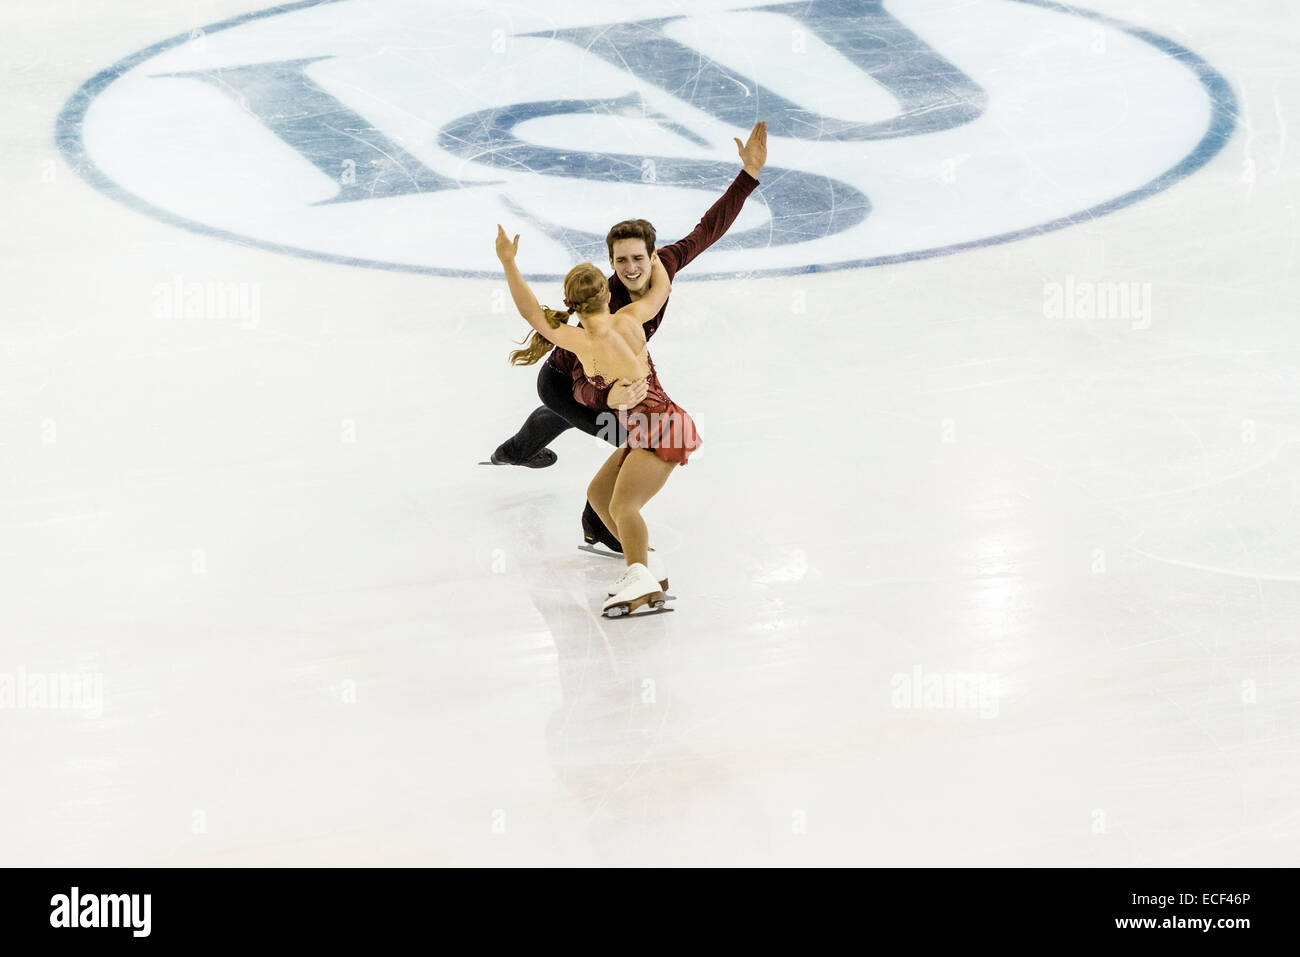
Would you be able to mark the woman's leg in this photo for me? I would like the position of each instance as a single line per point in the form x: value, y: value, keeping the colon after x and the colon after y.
x: 556, y: 390
x: 601, y: 489
x: 643, y: 474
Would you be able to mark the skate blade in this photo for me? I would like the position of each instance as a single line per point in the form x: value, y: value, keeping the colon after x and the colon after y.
x: 613, y: 614
x: 599, y: 551
x: 653, y: 603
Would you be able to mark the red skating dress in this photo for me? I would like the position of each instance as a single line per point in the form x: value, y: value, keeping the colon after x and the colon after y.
x: 657, y: 423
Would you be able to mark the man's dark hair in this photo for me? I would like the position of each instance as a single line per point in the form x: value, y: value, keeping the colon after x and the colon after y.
x: 632, y: 229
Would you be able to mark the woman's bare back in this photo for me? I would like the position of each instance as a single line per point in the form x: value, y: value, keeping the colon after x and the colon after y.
x: 619, y: 352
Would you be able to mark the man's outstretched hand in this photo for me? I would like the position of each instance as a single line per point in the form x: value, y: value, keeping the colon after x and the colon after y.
x: 753, y: 152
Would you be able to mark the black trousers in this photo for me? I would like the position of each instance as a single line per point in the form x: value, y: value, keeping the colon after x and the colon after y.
x: 559, y: 412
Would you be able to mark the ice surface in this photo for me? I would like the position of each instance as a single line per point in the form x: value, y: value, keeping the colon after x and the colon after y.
x: 326, y: 635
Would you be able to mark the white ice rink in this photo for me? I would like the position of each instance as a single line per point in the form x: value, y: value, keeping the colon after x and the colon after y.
x: 318, y: 632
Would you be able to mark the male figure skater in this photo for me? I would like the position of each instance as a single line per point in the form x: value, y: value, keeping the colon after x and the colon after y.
x: 569, y: 400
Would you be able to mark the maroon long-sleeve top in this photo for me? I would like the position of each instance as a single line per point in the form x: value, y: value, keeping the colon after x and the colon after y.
x: 709, y: 230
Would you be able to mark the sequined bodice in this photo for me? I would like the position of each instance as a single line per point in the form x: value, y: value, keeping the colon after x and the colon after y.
x: 601, y: 382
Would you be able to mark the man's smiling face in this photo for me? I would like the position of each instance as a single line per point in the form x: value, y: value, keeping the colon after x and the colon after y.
x: 631, y: 261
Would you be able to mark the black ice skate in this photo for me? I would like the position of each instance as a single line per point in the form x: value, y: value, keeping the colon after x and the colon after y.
x: 540, y: 460
x: 594, y: 530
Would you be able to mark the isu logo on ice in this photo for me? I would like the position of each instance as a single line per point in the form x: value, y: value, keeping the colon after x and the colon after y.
x: 389, y: 133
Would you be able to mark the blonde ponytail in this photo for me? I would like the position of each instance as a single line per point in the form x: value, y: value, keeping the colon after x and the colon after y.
x: 538, y: 345
x: 585, y: 291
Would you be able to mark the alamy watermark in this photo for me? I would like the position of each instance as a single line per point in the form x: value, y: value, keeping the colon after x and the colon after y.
x: 182, y: 299
x: 659, y: 430
x: 921, y: 690
x: 1084, y: 299
x: 58, y: 690
x: 76, y: 909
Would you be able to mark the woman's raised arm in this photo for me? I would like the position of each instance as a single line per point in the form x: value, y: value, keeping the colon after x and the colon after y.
x: 564, y: 336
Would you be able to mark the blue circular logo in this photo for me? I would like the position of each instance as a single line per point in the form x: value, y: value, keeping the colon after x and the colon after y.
x: 394, y: 134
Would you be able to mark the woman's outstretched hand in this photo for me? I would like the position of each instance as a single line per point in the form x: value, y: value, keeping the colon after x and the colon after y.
x: 506, y: 248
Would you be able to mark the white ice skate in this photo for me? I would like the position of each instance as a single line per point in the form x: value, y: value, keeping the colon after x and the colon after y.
x: 634, y: 590
x: 657, y: 571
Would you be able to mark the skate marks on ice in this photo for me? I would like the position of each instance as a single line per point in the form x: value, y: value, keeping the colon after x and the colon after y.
x: 624, y: 743
x: 1247, y: 529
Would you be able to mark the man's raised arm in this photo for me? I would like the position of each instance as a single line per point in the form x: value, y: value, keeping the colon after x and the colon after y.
x: 716, y: 222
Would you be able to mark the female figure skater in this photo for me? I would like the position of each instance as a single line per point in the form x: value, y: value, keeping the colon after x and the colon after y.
x: 660, y: 435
